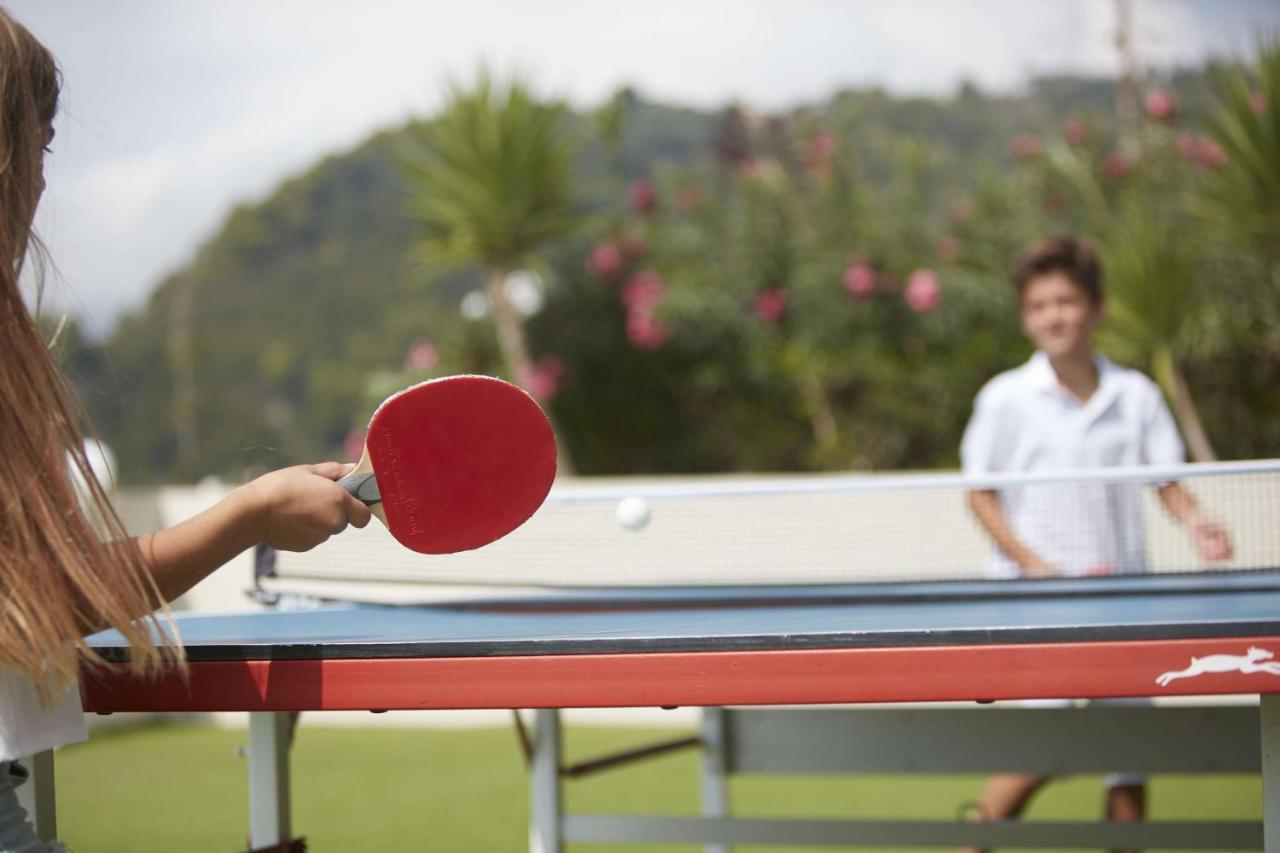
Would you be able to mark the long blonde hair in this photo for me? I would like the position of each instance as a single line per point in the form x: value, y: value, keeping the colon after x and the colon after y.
x: 65, y: 569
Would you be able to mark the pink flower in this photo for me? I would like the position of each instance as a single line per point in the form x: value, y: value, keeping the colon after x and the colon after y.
x: 860, y: 280
x: 688, y: 199
x: 922, y: 292
x: 644, y: 330
x: 1025, y: 145
x: 605, y: 260
x: 1209, y: 154
x: 642, y: 197
x: 822, y: 149
x: 771, y: 305
x: 1117, y: 165
x: 1160, y: 105
x: 1076, y: 131
x: 948, y: 248
x: 542, y: 380
x: 1258, y: 101
x: 822, y: 146
x: 643, y: 291
x: 353, y: 444
x: 421, y: 355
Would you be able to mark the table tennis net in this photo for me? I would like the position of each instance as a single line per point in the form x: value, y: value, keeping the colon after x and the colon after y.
x: 821, y: 529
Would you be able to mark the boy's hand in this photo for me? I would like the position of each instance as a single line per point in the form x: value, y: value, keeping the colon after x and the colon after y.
x: 298, y: 508
x: 1211, y: 538
x: 1037, y: 567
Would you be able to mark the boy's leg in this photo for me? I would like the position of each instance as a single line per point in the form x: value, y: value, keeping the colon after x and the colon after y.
x: 1126, y: 802
x: 1126, y: 792
x: 1006, y: 795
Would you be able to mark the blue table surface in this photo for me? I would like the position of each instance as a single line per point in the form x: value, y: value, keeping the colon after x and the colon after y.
x: 604, y: 621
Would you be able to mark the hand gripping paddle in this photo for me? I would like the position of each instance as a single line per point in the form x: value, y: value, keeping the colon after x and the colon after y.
x: 455, y: 463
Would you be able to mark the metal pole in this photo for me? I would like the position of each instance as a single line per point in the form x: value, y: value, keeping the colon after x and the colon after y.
x: 546, y: 808
x: 269, y: 778
x: 1270, y: 719
x: 715, y: 776
x: 37, y: 796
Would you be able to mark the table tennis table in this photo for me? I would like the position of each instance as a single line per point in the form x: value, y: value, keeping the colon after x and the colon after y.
x: 1210, y: 634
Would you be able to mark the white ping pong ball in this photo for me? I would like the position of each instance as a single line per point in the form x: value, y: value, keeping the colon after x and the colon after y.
x: 632, y: 513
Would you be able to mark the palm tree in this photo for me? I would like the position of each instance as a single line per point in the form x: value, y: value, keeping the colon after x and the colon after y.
x: 1242, y: 194
x: 492, y: 179
x: 1154, y: 303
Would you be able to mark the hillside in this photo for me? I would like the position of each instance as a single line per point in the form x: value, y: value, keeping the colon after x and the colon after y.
x: 299, y: 303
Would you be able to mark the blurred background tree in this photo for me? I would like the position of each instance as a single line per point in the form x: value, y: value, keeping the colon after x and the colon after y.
x: 820, y: 289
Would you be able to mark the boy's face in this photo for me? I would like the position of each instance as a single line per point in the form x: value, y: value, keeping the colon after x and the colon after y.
x: 1058, y: 315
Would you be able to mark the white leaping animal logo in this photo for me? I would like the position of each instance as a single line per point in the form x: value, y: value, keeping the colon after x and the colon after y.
x: 1256, y: 660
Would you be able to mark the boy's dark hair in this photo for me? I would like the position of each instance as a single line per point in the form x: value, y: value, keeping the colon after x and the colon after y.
x: 1069, y: 255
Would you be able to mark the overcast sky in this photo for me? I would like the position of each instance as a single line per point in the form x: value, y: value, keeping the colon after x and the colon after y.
x: 175, y: 110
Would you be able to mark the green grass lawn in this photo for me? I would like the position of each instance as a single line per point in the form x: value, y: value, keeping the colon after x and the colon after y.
x: 183, y: 788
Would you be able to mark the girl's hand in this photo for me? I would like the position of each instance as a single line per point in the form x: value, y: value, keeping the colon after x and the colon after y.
x: 298, y: 508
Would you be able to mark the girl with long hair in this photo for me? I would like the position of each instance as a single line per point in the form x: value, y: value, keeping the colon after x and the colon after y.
x: 67, y: 567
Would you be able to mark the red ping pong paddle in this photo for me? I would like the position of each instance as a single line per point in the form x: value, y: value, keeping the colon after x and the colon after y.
x: 455, y: 463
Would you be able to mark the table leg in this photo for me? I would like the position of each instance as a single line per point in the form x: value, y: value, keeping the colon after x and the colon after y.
x: 1270, y: 720
x: 37, y: 795
x: 715, y: 779
x: 546, y: 807
x: 269, y: 778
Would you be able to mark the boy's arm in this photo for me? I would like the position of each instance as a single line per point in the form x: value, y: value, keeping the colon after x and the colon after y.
x: 293, y: 509
x: 985, y: 504
x: 1162, y: 445
x: 1211, y: 537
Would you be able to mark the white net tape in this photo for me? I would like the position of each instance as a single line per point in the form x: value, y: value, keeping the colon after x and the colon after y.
x: 829, y: 529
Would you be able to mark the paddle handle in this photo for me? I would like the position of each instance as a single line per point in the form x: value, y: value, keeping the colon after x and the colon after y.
x: 362, y: 486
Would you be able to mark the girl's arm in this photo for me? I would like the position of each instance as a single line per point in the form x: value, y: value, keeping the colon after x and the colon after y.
x: 293, y: 509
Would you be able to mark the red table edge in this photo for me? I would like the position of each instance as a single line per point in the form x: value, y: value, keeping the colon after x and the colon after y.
x: 778, y: 677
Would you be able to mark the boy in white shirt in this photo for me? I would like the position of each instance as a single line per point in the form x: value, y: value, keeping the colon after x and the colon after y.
x: 1070, y: 408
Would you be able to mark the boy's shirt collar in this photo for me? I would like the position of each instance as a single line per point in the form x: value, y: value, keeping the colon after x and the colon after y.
x: 1045, y: 380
